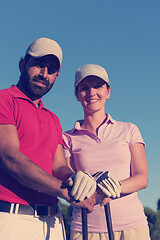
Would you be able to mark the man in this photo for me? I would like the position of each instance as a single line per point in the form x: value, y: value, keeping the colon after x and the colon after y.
x: 33, y: 171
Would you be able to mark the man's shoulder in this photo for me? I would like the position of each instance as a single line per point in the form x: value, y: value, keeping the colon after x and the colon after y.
x: 5, y: 93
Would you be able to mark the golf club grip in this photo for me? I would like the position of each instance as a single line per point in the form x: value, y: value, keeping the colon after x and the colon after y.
x: 109, y: 221
x: 84, y: 224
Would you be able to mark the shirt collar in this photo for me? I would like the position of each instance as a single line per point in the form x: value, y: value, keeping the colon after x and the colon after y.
x: 109, y: 119
x: 16, y: 93
x: 77, y: 126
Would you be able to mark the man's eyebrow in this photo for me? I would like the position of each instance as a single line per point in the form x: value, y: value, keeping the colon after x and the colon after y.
x: 45, y: 62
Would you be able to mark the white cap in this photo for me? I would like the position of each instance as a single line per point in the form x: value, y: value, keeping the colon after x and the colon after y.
x: 45, y: 46
x: 91, y: 70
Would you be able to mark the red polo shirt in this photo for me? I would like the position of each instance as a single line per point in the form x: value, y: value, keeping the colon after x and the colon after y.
x: 39, y: 132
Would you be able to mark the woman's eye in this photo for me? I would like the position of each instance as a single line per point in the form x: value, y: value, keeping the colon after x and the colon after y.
x: 83, y: 88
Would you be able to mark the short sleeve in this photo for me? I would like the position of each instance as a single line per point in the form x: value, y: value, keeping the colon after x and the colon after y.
x: 6, y: 108
x: 67, y: 145
x: 136, y: 136
x: 59, y: 130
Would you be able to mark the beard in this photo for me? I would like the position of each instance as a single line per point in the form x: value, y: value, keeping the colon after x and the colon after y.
x: 31, y: 89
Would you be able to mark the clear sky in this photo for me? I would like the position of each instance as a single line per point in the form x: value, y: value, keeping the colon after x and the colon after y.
x: 123, y: 36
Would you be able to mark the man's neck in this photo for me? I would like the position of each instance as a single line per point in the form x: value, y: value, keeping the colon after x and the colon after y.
x: 35, y: 101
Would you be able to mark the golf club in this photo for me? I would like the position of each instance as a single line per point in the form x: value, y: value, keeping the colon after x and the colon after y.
x: 84, y: 224
x: 109, y: 221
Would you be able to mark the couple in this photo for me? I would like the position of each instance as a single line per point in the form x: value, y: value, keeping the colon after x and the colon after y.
x: 99, y: 160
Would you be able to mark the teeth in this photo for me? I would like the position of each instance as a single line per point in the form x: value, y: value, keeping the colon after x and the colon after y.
x: 93, y: 100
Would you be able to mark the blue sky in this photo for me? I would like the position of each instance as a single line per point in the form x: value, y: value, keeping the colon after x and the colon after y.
x: 123, y: 36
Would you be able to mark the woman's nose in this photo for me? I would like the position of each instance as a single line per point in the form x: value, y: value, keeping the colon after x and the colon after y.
x: 91, y: 91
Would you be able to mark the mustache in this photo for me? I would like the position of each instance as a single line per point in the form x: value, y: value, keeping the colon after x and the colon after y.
x: 41, y: 79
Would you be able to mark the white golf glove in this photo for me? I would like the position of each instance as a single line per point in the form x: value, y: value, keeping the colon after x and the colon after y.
x: 107, y: 182
x: 83, y: 185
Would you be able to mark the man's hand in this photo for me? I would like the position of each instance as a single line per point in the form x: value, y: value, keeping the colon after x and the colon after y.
x: 107, y: 182
x: 83, y: 185
x: 87, y: 203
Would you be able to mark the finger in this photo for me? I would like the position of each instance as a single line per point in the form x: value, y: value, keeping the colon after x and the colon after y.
x: 80, y: 191
x: 115, y: 182
x: 114, y: 179
x: 86, y: 188
x: 101, y: 176
x: 109, y: 187
x: 105, y: 201
x: 104, y: 190
x: 110, y: 183
x: 92, y: 190
x: 70, y: 182
x: 115, y: 187
x: 83, y: 193
x: 76, y: 183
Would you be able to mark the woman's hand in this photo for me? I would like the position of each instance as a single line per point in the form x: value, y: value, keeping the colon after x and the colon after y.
x: 103, y: 199
x: 108, y: 183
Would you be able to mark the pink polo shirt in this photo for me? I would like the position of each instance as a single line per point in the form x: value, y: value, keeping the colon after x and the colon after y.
x: 107, y: 151
x: 39, y: 133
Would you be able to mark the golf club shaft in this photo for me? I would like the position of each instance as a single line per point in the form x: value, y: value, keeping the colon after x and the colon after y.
x: 109, y: 221
x: 84, y: 224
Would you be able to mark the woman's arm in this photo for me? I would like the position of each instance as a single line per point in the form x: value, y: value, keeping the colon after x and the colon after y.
x: 139, y: 172
x: 70, y: 163
x: 61, y: 167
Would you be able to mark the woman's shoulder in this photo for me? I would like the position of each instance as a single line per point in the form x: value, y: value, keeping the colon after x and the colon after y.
x: 125, y: 125
x: 76, y: 127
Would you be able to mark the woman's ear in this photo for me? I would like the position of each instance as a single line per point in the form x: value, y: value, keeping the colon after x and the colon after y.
x: 21, y: 65
x: 108, y: 93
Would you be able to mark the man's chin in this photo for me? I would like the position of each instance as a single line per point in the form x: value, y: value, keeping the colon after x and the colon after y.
x: 39, y: 91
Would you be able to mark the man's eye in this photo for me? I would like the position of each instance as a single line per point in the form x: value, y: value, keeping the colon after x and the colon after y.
x: 39, y: 65
x: 52, y: 70
x: 98, y: 86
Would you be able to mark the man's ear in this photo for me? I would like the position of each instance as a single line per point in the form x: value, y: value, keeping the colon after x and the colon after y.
x: 75, y: 92
x: 21, y: 65
x: 57, y: 75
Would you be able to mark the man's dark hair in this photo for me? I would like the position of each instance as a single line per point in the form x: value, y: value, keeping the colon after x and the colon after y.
x: 27, y: 57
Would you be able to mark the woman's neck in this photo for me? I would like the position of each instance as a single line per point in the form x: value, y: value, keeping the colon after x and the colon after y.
x: 93, y: 122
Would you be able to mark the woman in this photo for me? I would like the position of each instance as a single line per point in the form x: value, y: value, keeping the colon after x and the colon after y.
x: 99, y: 143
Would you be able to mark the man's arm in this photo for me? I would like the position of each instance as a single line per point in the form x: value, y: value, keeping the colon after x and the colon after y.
x: 60, y: 168
x: 20, y: 167
x: 26, y: 172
